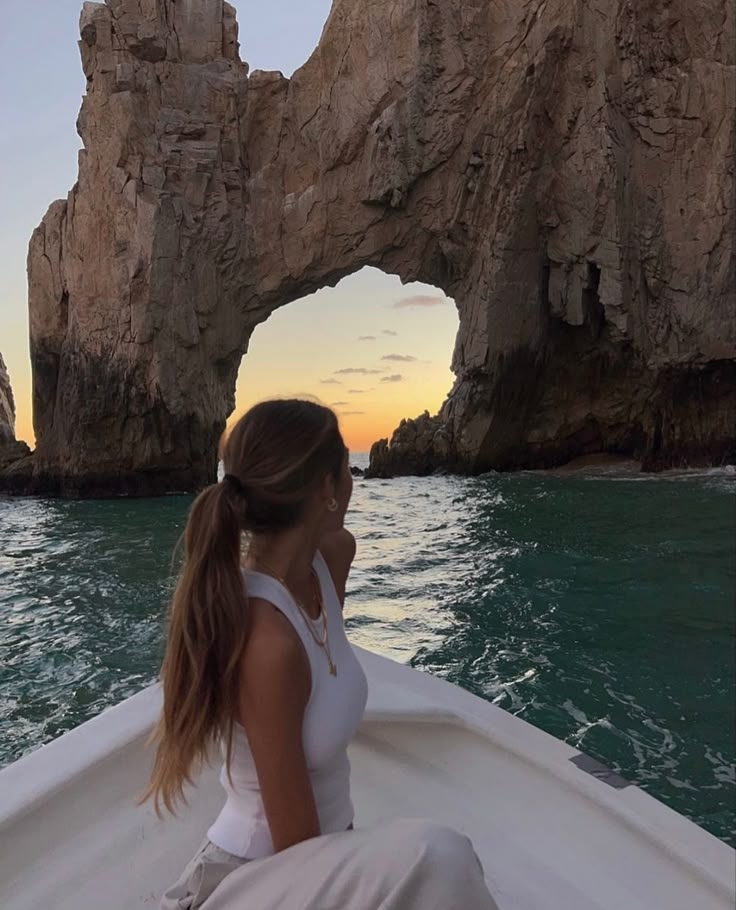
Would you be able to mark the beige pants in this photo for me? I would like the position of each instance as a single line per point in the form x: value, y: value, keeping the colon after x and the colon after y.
x: 204, y: 872
x: 410, y: 864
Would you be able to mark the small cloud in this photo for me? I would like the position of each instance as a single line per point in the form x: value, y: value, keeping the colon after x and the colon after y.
x: 340, y: 404
x: 356, y: 371
x: 357, y: 391
x: 389, y: 332
x: 419, y: 300
x: 403, y: 358
x: 395, y: 377
x: 351, y: 413
x: 330, y: 382
x: 367, y: 338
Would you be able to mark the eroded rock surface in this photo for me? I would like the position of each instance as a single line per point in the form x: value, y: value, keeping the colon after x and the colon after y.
x: 563, y: 170
x: 11, y: 450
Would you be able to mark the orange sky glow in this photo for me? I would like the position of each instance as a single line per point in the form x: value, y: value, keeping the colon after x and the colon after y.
x: 373, y: 350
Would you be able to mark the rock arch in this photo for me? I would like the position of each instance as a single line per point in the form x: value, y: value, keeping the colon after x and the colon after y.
x: 559, y: 170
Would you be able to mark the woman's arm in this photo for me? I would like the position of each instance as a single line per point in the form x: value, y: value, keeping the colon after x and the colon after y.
x: 274, y: 691
x: 338, y: 549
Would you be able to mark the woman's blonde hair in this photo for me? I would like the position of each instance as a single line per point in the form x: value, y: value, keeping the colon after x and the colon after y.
x: 278, y: 453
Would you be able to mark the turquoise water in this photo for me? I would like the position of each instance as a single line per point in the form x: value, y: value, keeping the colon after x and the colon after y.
x: 599, y: 607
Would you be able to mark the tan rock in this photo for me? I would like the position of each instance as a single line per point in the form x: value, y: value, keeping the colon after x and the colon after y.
x: 563, y: 172
x: 10, y: 448
x: 7, y: 406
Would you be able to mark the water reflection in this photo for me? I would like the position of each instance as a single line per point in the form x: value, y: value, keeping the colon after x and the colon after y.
x: 599, y: 609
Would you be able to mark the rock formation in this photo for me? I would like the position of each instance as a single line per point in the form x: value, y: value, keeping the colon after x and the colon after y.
x: 10, y: 449
x: 7, y: 406
x: 562, y: 169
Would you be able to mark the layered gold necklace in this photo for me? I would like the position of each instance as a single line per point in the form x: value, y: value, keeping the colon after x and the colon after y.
x: 322, y: 639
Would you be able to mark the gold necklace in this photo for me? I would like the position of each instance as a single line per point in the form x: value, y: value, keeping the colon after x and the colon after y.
x: 322, y: 641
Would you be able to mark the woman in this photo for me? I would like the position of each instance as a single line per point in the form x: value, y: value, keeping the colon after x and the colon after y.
x: 257, y: 660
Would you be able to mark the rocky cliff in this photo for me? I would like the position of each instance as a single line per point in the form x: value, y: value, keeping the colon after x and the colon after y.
x: 562, y: 169
x: 10, y: 449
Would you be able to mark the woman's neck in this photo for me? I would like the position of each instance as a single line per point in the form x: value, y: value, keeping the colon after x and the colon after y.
x: 289, y: 555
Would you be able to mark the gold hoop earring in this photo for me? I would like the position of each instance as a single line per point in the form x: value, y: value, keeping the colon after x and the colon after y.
x: 332, y: 505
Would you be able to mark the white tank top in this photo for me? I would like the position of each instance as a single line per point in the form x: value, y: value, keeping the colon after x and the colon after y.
x: 334, y: 710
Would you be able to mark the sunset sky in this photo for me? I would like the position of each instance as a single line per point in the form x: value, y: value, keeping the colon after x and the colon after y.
x: 374, y: 349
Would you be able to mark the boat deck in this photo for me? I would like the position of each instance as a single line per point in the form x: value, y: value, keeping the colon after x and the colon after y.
x: 551, y: 835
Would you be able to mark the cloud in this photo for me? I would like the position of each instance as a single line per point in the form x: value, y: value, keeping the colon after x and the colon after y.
x: 395, y: 377
x: 419, y: 300
x: 358, y: 391
x: 389, y: 332
x: 330, y: 382
x: 351, y: 413
x: 340, y: 404
x: 402, y: 358
x: 356, y: 371
x: 367, y: 338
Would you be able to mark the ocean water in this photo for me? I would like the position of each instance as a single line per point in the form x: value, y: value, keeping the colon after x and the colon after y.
x: 598, y: 606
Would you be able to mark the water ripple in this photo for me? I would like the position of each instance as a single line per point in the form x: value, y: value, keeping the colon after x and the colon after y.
x: 597, y: 607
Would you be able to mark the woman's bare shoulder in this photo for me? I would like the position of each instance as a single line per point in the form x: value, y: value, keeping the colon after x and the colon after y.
x: 338, y: 550
x: 273, y: 648
x: 338, y: 547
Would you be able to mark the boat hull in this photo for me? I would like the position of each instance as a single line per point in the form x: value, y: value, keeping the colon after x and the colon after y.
x: 551, y: 830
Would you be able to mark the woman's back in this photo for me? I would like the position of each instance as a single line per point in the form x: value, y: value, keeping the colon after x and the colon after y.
x: 248, y: 665
x: 335, y: 707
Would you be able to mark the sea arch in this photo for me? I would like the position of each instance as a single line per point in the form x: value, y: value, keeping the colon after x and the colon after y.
x: 431, y: 140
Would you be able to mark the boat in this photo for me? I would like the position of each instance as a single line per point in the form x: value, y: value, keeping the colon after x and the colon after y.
x: 554, y: 829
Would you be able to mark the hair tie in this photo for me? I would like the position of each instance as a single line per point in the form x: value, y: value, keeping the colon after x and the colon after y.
x: 235, y: 483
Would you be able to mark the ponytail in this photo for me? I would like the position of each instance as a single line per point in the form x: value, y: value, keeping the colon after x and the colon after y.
x: 207, y: 631
x: 276, y: 456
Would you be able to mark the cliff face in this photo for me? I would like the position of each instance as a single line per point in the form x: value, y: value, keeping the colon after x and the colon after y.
x: 10, y: 449
x: 563, y: 170
x: 7, y: 406
x: 599, y: 302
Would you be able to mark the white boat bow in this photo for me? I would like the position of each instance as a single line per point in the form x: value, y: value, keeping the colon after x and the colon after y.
x: 554, y: 830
